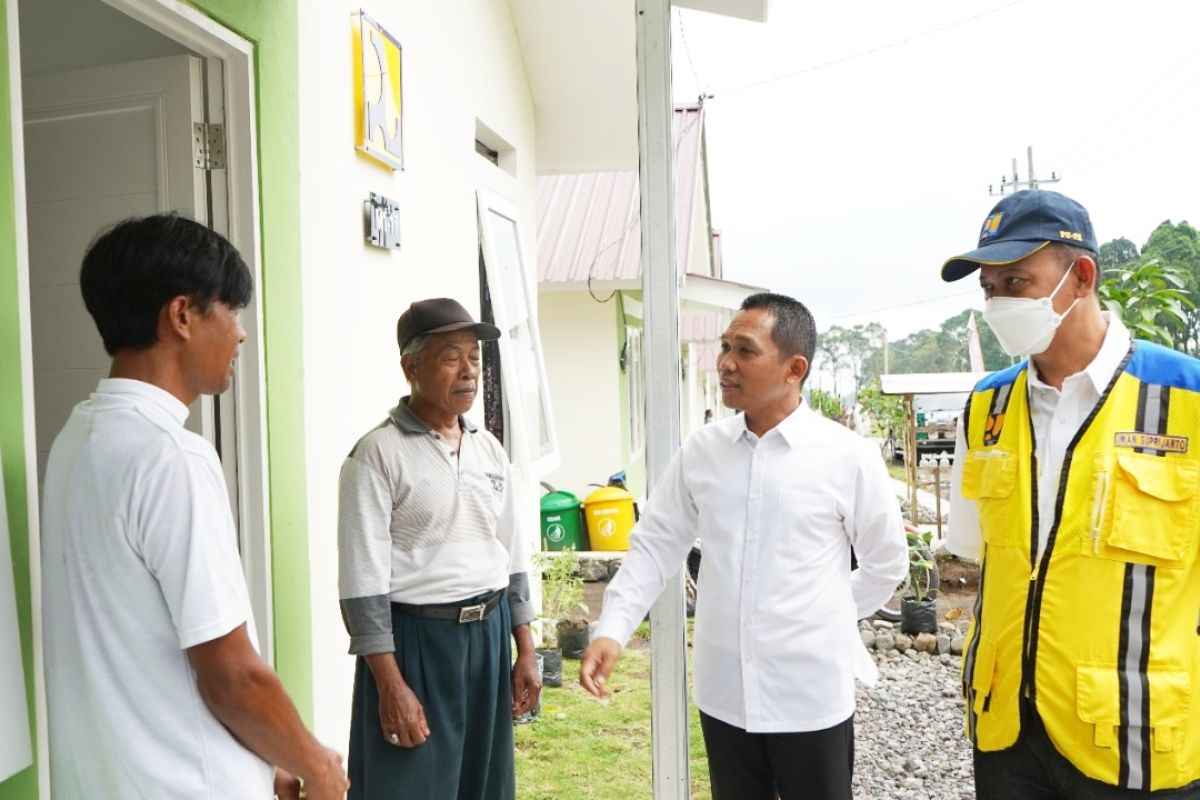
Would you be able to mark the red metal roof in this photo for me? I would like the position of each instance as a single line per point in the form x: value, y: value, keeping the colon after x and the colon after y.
x: 588, y: 223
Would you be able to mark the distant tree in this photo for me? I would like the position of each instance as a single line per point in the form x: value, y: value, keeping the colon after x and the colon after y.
x: 886, y: 412
x: 928, y: 350
x: 1177, y: 248
x: 994, y: 357
x: 854, y: 353
x: 1117, y: 253
x: 824, y: 403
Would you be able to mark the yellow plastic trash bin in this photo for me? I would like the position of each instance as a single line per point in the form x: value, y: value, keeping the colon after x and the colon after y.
x: 609, y: 515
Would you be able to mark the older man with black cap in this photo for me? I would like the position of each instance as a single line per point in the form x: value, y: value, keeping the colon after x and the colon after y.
x: 433, y: 579
x: 1076, y: 484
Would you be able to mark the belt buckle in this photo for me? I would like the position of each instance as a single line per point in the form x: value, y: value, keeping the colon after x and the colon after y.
x: 471, y: 613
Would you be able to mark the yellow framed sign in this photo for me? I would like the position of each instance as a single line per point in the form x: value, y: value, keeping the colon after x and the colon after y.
x: 379, y: 128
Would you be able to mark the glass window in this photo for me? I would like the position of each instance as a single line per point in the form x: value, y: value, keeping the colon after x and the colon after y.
x: 529, y: 429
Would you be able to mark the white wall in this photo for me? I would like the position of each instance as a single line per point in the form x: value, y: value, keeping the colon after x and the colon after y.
x: 461, y: 61
x: 580, y: 339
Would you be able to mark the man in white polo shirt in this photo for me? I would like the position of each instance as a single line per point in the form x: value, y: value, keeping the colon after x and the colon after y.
x: 154, y: 685
x: 434, y: 581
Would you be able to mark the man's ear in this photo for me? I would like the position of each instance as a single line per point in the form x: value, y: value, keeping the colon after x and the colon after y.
x: 799, y: 369
x: 176, y: 319
x: 406, y: 366
x: 1087, y: 274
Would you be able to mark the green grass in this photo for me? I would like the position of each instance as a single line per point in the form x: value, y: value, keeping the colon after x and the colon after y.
x: 896, y: 470
x: 581, y: 747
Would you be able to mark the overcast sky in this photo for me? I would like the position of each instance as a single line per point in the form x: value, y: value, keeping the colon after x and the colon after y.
x: 848, y: 185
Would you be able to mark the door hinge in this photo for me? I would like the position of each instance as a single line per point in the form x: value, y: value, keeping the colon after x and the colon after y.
x: 208, y: 145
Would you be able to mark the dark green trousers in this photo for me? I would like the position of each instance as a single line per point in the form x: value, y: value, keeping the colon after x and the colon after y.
x: 462, y: 675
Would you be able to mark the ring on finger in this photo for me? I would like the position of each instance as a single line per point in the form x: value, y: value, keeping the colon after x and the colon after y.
x: 393, y: 738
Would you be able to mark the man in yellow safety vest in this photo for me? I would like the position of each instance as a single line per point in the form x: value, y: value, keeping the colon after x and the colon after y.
x: 1076, y: 482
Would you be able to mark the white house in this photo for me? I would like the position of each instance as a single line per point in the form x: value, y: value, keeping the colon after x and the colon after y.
x: 589, y: 286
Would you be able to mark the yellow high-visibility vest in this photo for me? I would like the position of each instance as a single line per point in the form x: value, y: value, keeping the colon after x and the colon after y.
x: 1101, y: 635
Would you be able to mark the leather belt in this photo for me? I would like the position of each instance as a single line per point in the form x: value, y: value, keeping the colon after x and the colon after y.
x: 455, y: 612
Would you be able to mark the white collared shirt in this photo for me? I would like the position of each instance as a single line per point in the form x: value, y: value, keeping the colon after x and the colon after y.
x: 1057, y: 417
x: 776, y: 639
x: 139, y: 563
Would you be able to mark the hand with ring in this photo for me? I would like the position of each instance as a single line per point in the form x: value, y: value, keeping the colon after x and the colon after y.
x: 402, y: 716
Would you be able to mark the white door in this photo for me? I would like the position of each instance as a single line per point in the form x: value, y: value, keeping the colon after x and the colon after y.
x: 101, y: 144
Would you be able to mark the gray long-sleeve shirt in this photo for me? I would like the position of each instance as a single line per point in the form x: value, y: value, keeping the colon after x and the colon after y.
x: 420, y: 523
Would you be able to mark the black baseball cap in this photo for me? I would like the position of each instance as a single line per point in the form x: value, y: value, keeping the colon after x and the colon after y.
x: 439, y: 315
x: 1023, y: 223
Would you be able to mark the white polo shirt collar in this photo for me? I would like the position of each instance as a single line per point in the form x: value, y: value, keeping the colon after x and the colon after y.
x: 136, y: 390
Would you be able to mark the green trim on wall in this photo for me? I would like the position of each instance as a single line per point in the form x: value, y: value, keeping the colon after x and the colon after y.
x: 23, y: 785
x: 272, y: 25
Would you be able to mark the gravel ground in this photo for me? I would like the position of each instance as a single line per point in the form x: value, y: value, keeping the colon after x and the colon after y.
x: 908, y: 732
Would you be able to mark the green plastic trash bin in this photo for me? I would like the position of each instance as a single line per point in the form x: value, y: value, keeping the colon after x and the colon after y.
x: 561, y: 528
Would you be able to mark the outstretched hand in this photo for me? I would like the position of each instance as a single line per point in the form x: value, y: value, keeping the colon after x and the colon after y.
x: 597, y: 664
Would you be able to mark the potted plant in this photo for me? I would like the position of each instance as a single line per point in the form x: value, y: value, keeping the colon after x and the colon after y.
x: 564, y: 613
x: 918, y: 610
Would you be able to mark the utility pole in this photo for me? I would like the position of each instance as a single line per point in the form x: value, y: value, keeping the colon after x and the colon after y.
x: 1015, y: 183
x: 660, y: 296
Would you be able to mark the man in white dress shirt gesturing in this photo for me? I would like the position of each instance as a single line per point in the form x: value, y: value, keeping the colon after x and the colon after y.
x: 778, y: 494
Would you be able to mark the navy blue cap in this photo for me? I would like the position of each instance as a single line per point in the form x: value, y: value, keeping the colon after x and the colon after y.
x: 1020, y: 224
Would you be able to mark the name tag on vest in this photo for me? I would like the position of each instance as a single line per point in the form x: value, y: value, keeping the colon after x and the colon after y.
x: 1152, y: 441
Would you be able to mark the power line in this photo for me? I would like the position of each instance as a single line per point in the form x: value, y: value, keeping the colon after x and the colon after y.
x: 1141, y: 130
x: 927, y: 300
x: 700, y: 88
x: 871, y: 51
x: 1112, y: 120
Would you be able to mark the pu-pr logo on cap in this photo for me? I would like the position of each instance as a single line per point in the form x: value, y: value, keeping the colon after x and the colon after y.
x: 991, y: 226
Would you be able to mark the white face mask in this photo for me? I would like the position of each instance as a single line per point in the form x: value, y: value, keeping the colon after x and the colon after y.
x: 1024, y: 326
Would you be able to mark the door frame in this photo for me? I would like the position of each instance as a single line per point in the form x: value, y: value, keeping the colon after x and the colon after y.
x: 209, y: 39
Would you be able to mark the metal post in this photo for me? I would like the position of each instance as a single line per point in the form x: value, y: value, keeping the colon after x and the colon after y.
x: 937, y: 488
x: 660, y: 299
x: 910, y: 457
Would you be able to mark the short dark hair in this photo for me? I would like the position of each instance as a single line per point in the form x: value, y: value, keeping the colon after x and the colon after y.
x: 1068, y: 253
x: 131, y: 270
x: 794, y: 331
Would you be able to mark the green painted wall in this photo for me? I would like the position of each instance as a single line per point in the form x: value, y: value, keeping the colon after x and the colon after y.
x: 12, y: 431
x: 272, y: 26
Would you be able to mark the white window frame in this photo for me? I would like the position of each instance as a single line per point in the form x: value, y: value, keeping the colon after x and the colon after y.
x: 522, y: 448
